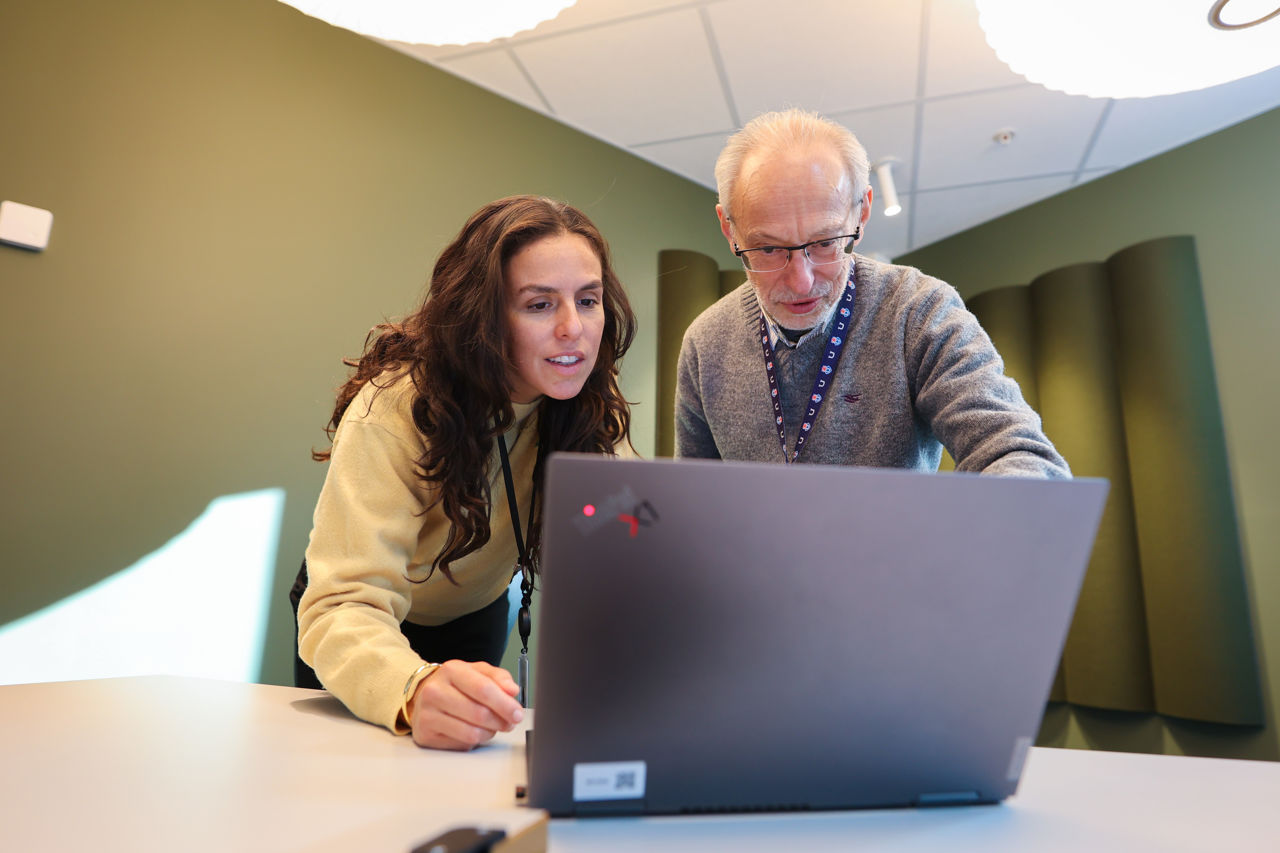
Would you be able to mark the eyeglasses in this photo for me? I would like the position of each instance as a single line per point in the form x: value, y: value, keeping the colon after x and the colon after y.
x: 829, y: 250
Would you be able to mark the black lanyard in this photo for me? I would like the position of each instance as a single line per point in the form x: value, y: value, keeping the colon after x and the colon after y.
x: 524, y: 621
x: 826, y: 372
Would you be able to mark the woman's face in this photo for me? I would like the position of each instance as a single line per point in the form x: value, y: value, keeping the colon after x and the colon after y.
x: 555, y: 317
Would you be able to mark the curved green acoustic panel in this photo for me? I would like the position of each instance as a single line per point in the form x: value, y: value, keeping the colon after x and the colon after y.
x: 1005, y: 314
x: 1116, y: 358
x: 730, y: 279
x: 1202, y: 653
x: 687, y: 283
x: 1106, y: 660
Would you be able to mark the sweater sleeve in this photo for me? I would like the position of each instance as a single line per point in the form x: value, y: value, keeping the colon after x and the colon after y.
x: 367, y: 522
x: 693, y: 435
x: 961, y: 390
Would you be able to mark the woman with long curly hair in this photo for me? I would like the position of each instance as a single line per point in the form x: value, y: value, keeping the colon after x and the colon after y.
x: 402, y: 600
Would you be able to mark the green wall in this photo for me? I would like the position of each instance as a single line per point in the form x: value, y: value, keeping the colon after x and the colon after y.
x: 240, y: 192
x: 1223, y: 191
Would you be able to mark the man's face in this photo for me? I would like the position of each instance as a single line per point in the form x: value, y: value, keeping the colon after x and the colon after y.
x: 786, y: 199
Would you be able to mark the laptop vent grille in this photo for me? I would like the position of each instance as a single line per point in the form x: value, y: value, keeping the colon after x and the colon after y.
x: 746, y: 807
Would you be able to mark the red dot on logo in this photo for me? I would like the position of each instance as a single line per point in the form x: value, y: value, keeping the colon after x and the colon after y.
x: 589, y: 510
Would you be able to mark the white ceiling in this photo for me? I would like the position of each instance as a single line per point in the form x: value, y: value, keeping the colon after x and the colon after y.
x: 668, y: 80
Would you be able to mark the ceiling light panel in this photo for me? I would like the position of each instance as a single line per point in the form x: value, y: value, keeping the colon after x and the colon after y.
x: 1132, y: 48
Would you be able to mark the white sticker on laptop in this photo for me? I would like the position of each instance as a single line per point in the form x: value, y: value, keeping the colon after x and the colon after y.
x: 611, y: 780
x: 1021, y: 747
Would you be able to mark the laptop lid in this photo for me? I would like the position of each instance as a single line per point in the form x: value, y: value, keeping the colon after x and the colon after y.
x: 723, y: 636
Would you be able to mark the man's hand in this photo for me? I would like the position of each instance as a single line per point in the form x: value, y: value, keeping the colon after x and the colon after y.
x: 462, y: 705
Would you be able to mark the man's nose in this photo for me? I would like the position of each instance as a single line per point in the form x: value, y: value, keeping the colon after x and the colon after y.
x: 797, y: 275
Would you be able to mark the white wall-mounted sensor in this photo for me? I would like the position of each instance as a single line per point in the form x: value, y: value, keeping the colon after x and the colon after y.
x: 24, y: 225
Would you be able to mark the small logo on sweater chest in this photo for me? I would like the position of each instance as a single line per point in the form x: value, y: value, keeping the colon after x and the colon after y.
x: 852, y: 398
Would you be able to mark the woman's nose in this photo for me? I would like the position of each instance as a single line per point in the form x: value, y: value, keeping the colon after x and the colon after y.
x: 568, y: 323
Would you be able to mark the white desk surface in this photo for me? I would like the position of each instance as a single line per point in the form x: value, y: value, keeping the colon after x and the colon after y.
x: 167, y: 763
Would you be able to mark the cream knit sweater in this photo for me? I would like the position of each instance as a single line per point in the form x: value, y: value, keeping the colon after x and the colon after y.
x: 370, y: 536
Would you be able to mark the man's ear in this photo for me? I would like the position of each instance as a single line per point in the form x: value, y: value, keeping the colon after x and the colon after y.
x: 864, y: 213
x: 724, y: 224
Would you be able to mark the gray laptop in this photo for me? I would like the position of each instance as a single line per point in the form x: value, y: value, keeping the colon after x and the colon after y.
x: 718, y: 636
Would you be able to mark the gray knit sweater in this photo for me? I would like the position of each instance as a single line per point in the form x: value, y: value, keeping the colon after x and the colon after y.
x: 917, y: 373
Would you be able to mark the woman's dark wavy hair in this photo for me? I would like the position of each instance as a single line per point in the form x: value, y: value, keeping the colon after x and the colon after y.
x: 456, y: 347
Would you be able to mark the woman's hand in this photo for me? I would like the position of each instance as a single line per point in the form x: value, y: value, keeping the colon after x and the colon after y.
x: 462, y: 705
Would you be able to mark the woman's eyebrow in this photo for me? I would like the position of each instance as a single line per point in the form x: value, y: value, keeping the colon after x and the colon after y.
x: 546, y: 288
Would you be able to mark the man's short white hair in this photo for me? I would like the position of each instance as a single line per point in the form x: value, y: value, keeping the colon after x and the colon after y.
x: 778, y: 131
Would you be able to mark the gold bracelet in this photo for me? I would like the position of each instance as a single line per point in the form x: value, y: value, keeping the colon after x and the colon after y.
x: 408, y: 690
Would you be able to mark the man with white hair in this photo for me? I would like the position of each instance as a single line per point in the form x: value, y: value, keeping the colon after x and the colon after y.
x: 830, y: 357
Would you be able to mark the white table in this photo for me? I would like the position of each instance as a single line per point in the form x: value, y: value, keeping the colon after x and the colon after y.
x: 175, y: 764
x: 165, y: 763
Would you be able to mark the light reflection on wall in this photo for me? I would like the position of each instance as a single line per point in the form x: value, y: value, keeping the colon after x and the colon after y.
x: 197, y: 606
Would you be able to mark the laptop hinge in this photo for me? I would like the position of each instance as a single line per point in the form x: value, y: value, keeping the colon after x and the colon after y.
x: 948, y: 798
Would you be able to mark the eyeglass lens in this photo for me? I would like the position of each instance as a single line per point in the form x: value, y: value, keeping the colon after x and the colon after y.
x: 771, y: 258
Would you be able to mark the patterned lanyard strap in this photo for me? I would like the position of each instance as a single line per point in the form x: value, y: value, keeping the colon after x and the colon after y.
x: 524, y: 568
x: 826, y: 372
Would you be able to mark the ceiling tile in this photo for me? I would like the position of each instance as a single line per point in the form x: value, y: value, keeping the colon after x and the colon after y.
x: 642, y: 80
x: 496, y: 71
x: 583, y: 14
x: 592, y: 13
x: 646, y: 76
x: 1051, y: 132
x: 693, y: 158
x: 780, y: 56
x: 959, y: 58
x: 886, y: 236
x: 941, y: 213
x: 1088, y: 175
x: 886, y: 133
x: 1138, y: 128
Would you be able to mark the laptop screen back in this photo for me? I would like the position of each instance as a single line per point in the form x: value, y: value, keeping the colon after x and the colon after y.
x: 733, y: 636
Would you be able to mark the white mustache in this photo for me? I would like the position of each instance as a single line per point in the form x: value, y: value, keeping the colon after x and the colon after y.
x: 821, y: 293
